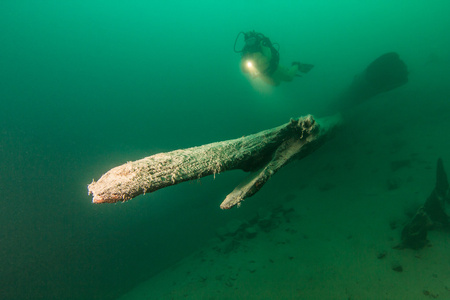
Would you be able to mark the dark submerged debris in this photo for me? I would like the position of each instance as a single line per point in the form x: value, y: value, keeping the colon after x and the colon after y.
x: 430, y: 294
x: 236, y: 232
x: 381, y: 254
x: 400, y: 164
x: 392, y: 184
x: 431, y: 215
x: 397, y: 267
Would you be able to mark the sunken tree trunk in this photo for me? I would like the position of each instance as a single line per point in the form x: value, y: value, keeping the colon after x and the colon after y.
x: 262, y: 154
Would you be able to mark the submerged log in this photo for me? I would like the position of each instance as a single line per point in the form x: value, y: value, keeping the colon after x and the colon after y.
x: 263, y: 154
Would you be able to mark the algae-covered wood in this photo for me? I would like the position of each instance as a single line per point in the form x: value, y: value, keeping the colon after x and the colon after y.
x: 266, y: 151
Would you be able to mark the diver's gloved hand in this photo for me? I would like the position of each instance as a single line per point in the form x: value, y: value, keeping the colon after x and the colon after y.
x: 303, y: 68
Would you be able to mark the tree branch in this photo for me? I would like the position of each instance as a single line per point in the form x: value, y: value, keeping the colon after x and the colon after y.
x: 263, y: 153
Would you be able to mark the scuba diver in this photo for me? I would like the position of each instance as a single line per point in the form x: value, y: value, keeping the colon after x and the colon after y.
x: 260, y: 58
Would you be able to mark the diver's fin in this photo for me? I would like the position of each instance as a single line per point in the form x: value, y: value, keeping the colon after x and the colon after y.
x: 304, y: 68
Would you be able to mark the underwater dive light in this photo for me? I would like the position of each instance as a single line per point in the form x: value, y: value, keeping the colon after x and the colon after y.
x: 249, y: 65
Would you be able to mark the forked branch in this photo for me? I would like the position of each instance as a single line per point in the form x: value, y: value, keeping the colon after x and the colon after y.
x: 263, y: 154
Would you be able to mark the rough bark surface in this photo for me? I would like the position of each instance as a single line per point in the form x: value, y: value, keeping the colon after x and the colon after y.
x: 263, y: 154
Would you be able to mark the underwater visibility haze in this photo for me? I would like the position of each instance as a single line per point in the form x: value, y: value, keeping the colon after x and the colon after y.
x: 89, y: 85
